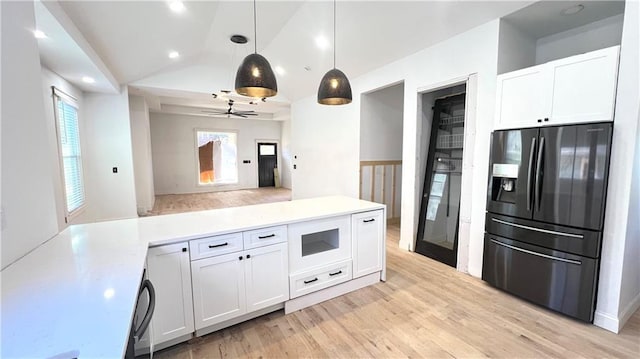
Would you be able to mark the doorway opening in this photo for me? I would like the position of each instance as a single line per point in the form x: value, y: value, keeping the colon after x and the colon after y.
x: 267, y: 164
x: 381, y: 131
x: 444, y: 113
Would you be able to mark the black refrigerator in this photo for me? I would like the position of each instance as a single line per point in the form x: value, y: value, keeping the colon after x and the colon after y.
x: 545, y: 214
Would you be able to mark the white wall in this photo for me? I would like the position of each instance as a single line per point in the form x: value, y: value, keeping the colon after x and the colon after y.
x: 287, y: 157
x: 173, y: 147
x: 516, y: 49
x: 619, y: 264
x: 28, y: 215
x: 107, y: 135
x: 326, y: 138
x: 596, y: 35
x: 49, y: 79
x: 142, y: 160
x: 381, y: 124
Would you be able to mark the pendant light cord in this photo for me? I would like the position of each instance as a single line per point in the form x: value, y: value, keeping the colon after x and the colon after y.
x: 334, y: 34
x: 255, y: 32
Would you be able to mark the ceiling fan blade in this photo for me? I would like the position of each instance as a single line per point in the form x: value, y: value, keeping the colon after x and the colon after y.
x: 239, y: 115
x: 246, y: 112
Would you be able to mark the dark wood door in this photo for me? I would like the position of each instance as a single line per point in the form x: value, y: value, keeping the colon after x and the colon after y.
x: 267, y: 161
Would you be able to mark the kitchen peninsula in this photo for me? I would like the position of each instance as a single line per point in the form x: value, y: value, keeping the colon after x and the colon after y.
x: 75, y: 295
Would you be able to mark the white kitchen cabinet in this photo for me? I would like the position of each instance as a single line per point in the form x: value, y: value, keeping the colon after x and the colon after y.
x: 521, y: 98
x: 218, y: 289
x: 228, y: 286
x: 168, y: 269
x: 575, y: 89
x: 266, y: 271
x: 584, y: 87
x: 368, y: 242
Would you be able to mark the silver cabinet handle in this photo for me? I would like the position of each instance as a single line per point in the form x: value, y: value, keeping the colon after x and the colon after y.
x: 538, y: 229
x: 536, y: 253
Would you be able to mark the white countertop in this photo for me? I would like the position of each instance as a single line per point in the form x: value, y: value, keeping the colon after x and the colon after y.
x: 74, y: 296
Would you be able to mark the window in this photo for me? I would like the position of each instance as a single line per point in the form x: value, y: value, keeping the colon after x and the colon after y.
x: 66, y: 111
x: 217, y: 157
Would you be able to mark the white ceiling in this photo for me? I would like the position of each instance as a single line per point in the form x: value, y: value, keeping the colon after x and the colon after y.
x: 545, y: 18
x: 133, y: 39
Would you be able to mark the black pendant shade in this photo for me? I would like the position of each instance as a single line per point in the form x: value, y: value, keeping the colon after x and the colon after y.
x: 255, y: 78
x: 334, y: 89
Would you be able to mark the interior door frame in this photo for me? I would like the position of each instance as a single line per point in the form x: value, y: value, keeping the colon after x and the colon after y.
x: 464, y: 221
x: 256, y: 155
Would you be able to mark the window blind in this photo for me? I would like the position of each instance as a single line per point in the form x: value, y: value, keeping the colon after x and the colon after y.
x: 69, y: 147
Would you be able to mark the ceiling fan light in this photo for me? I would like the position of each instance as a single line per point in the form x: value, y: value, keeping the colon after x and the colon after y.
x: 334, y: 89
x: 255, y: 78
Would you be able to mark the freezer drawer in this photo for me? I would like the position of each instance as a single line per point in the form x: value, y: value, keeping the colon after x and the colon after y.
x: 582, y: 242
x: 562, y: 282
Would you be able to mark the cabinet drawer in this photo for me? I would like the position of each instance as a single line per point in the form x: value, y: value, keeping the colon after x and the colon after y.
x: 319, y: 278
x: 264, y: 236
x: 216, y: 245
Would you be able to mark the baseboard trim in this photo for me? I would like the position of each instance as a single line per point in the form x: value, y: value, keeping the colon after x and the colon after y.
x: 606, y: 321
x: 330, y: 293
x: 628, y: 311
x: 614, y: 323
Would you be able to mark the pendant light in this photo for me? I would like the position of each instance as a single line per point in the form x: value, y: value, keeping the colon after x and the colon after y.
x: 334, y: 87
x: 255, y: 77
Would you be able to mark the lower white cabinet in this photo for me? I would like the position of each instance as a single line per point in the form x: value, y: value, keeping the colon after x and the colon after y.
x: 368, y: 242
x: 218, y: 289
x: 168, y: 269
x: 228, y: 286
x: 266, y: 272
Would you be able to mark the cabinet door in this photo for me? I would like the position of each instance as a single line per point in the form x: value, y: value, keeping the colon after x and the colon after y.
x: 522, y: 98
x: 169, y: 272
x: 368, y: 242
x: 584, y: 87
x: 218, y: 289
x: 267, y: 276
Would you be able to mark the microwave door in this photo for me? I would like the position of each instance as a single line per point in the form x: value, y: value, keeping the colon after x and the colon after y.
x: 571, y: 177
x: 511, y: 172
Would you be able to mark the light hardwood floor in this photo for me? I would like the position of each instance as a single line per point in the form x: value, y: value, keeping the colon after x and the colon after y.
x: 177, y: 203
x: 425, y: 309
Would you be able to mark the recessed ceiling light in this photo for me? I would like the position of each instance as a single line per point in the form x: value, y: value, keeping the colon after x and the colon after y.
x: 322, y: 42
x: 176, y: 6
x: 174, y: 54
x: 572, y: 10
x: 39, y: 34
x: 87, y: 79
x: 280, y: 70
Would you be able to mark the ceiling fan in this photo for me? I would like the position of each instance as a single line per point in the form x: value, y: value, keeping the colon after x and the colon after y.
x: 230, y: 112
x: 224, y: 95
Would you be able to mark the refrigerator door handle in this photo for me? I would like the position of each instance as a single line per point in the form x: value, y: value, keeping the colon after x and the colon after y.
x: 530, y: 173
x: 539, y: 173
x: 538, y: 229
x: 536, y: 253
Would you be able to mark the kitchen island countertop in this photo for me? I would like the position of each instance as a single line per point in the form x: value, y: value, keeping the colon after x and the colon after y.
x: 74, y: 296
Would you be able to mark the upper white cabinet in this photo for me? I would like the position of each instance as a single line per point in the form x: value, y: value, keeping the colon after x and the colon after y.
x: 168, y: 269
x: 572, y: 90
x: 368, y: 242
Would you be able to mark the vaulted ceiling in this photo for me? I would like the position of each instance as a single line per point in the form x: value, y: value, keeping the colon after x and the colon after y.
x: 128, y: 41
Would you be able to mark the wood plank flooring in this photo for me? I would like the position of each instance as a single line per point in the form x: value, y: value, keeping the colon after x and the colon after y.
x: 425, y: 309
x: 177, y: 203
